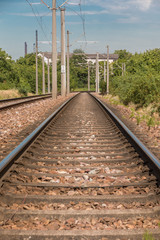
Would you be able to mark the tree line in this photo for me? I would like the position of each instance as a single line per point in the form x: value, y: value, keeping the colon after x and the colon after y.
x: 20, y: 74
x: 140, y: 83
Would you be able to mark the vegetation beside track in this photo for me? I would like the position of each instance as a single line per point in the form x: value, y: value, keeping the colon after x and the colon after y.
x: 140, y: 83
x: 21, y: 75
x: 146, y: 115
x: 12, y: 93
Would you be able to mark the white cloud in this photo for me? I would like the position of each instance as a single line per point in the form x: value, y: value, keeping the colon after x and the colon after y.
x: 116, y: 7
x: 68, y: 13
x: 121, y: 5
x: 144, y: 5
x: 30, y: 14
x: 38, y: 3
x: 129, y: 20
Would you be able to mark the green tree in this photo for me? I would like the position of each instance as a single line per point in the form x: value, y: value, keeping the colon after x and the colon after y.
x: 27, y: 73
x: 78, y: 70
x: 8, y: 74
x: 141, y: 82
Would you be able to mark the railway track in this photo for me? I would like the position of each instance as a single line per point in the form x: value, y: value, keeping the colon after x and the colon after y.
x: 8, y: 103
x: 82, y: 178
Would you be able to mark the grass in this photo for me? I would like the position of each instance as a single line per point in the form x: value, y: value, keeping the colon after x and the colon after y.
x: 82, y: 89
x: 11, y: 93
x: 148, y: 236
x: 149, y: 115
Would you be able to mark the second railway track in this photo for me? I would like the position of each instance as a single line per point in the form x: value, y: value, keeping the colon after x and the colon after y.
x: 80, y: 179
x: 13, y: 102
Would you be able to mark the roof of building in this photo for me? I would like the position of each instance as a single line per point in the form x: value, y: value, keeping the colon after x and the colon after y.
x: 88, y: 55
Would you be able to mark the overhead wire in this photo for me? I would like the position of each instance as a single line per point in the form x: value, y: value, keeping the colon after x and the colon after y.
x: 52, y: 8
x: 62, y: 4
x: 39, y: 21
x: 83, y: 21
x: 81, y: 15
x: 46, y: 5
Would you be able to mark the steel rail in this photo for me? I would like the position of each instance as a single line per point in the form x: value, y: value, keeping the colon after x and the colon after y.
x: 21, y: 98
x: 31, y: 99
x: 5, y: 163
x: 142, y: 149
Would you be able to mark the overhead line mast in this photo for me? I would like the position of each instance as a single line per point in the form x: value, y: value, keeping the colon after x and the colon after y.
x: 36, y: 62
x: 54, y: 46
x: 54, y: 51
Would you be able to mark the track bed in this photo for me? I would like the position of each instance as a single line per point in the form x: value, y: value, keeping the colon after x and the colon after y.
x: 80, y: 179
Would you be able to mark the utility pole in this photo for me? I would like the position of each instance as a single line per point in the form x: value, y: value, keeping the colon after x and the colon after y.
x: 97, y: 73
x: 36, y: 62
x: 88, y: 76
x: 54, y: 51
x: 63, y: 55
x: 68, y: 71
x: 104, y: 71
x: 107, y: 69
x: 48, y: 77
x: 25, y: 48
x: 43, y: 80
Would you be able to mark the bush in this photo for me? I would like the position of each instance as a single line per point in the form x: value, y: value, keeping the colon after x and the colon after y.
x: 139, y: 89
x: 23, y: 91
x: 103, y: 87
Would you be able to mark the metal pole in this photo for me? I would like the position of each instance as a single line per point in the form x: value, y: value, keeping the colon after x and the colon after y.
x: 48, y: 77
x: 107, y: 69
x: 54, y: 51
x: 43, y: 71
x: 63, y: 55
x: 104, y: 71
x: 88, y: 76
x: 36, y: 62
x: 97, y: 73
x: 68, y: 70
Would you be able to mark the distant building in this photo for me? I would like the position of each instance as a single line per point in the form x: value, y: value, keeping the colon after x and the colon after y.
x: 102, y: 57
x: 90, y: 57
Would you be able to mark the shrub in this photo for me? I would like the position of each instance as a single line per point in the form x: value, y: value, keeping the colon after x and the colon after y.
x: 103, y: 87
x: 139, y: 89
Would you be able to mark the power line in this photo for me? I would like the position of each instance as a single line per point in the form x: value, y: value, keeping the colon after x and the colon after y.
x: 56, y: 8
x: 82, y: 18
x: 83, y: 21
x: 46, y: 5
x: 39, y: 23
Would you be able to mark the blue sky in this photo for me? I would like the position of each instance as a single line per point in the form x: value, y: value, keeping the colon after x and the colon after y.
x: 122, y: 24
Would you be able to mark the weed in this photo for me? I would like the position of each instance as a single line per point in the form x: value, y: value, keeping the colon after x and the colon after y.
x: 148, y: 236
x: 151, y: 122
x: 132, y: 113
x: 12, y: 93
x: 138, y: 118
